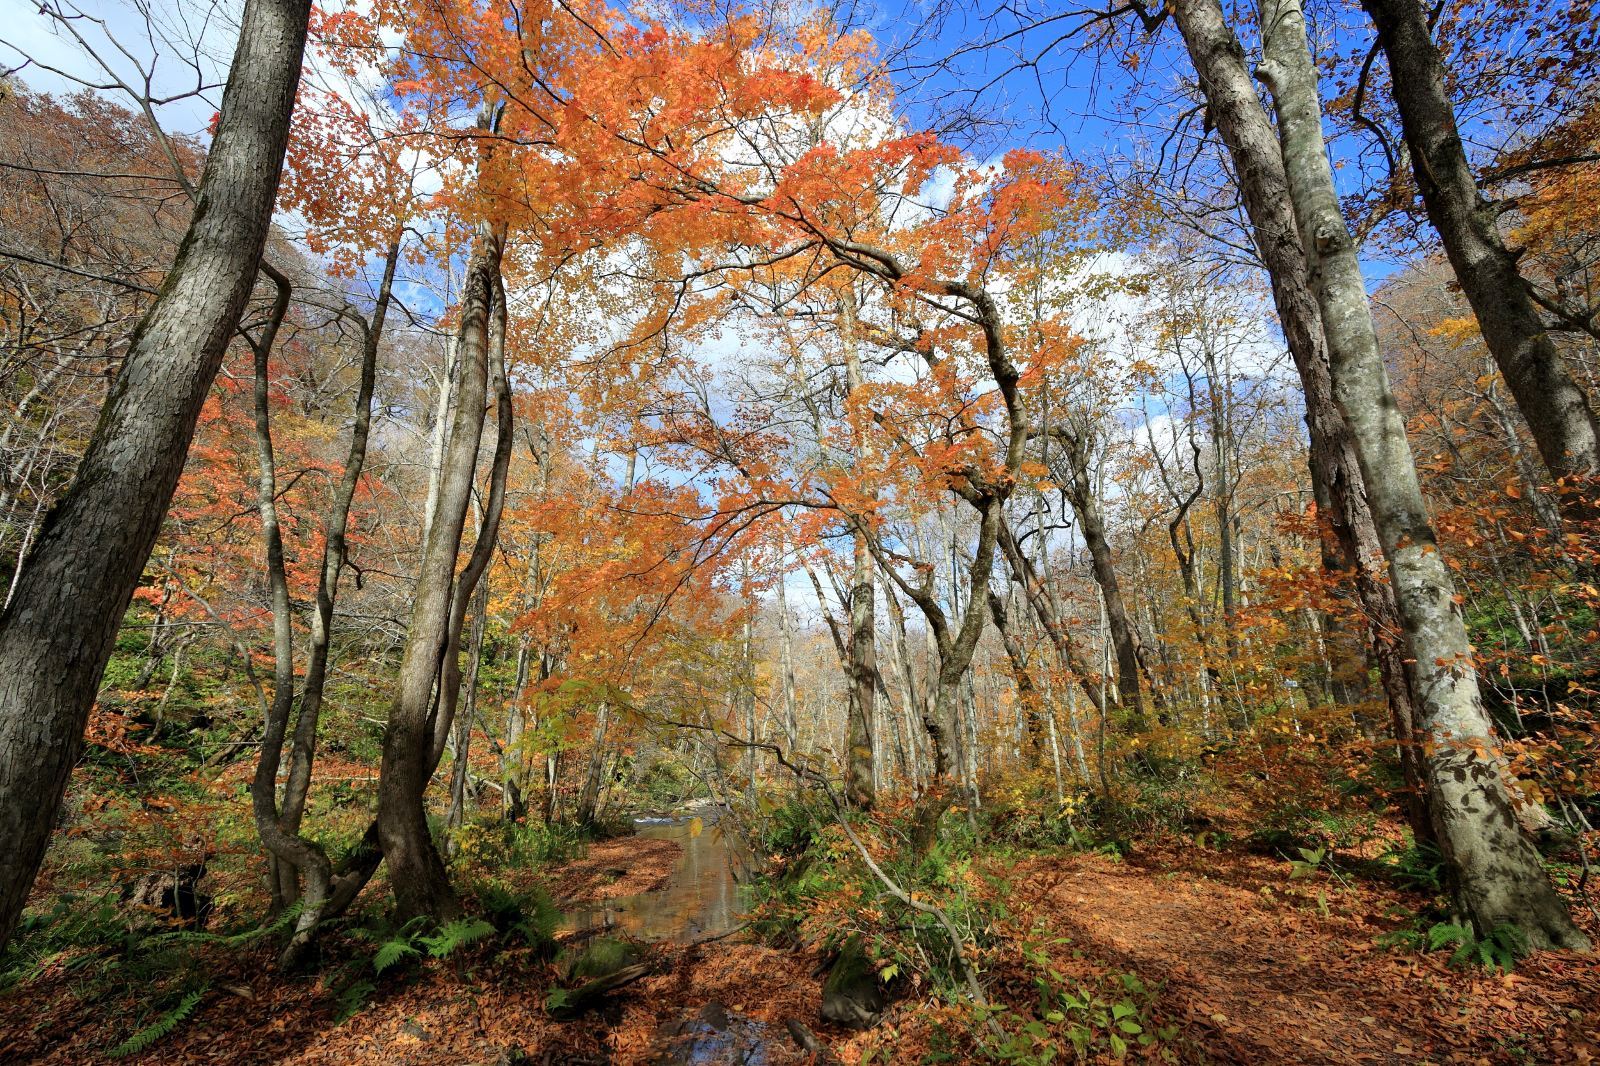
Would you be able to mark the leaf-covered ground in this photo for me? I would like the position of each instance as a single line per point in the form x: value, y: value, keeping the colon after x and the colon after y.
x: 1247, y: 964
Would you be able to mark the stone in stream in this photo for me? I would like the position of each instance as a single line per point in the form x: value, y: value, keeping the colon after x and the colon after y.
x: 715, y: 1036
x: 851, y: 995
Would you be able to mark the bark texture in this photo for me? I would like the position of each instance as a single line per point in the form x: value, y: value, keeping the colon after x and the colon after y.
x: 417, y: 873
x: 57, y: 632
x: 1556, y: 409
x: 1499, y: 878
x: 1233, y: 105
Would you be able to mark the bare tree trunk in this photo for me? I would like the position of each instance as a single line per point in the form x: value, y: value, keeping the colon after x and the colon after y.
x: 1499, y: 878
x: 791, y: 727
x: 863, y: 666
x: 1027, y: 692
x: 1557, y: 410
x: 58, y: 631
x: 589, y: 795
x: 421, y: 886
x: 1235, y: 107
x: 1124, y: 637
x: 460, y: 769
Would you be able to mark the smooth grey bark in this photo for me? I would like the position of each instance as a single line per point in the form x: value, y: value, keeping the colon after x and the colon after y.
x: 862, y: 669
x: 1234, y: 106
x: 462, y: 745
x: 791, y: 727
x: 336, y: 526
x: 1498, y: 876
x: 1557, y: 410
x: 416, y: 872
x: 58, y: 630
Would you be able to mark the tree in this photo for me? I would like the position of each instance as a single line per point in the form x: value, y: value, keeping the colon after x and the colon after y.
x: 1556, y: 407
x: 57, y: 632
x: 1500, y: 879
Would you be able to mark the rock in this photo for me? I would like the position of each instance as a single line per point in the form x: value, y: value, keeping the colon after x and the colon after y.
x: 603, y: 957
x: 808, y: 1040
x: 715, y: 1015
x: 851, y: 995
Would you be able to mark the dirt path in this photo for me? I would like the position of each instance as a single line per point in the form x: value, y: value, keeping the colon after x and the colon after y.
x: 1262, y: 970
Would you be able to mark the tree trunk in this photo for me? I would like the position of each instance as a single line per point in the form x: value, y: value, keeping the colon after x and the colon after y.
x: 421, y: 886
x: 1027, y: 692
x: 1252, y: 146
x: 863, y: 665
x: 1499, y: 878
x: 1124, y: 637
x: 58, y: 630
x: 1557, y: 410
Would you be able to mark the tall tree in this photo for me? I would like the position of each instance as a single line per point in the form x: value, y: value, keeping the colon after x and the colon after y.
x: 1555, y: 406
x: 1233, y: 105
x: 58, y: 630
x: 1499, y: 878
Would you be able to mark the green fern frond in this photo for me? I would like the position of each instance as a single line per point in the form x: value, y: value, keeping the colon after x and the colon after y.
x: 391, y: 952
x: 161, y: 1027
x: 456, y: 935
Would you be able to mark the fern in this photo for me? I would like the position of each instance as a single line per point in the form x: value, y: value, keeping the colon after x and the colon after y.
x: 456, y: 935
x: 392, y: 951
x: 352, y: 999
x: 1445, y: 934
x: 161, y: 1027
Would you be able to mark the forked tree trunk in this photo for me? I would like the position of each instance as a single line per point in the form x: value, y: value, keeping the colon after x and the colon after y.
x: 1234, y: 106
x: 1499, y: 878
x: 417, y: 873
x: 58, y: 630
x: 1550, y: 399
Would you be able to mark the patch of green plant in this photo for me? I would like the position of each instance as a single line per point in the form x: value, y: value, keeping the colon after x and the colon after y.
x: 1113, y: 1019
x: 530, y: 915
x: 412, y: 939
x: 1498, y: 951
x: 145, y: 1038
x: 1419, y: 867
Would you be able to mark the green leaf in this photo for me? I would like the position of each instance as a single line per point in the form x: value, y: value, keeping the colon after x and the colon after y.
x: 391, y: 952
x: 146, y: 1037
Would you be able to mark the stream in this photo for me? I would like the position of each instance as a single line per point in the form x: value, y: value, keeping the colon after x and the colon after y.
x: 700, y: 901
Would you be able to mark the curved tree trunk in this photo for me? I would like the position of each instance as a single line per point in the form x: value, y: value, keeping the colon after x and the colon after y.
x: 58, y: 631
x: 417, y: 873
x: 1499, y: 878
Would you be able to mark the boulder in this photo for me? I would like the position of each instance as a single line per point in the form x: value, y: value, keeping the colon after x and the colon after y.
x: 851, y: 995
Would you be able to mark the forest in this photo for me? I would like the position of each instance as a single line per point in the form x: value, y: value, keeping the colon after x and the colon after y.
x: 844, y: 531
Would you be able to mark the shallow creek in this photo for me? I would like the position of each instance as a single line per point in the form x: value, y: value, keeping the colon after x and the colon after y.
x: 700, y: 901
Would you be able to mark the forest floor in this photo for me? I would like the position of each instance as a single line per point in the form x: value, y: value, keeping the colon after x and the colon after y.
x: 1246, y: 964
x: 1258, y: 968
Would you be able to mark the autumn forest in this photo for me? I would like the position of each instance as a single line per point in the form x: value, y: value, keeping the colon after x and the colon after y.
x: 694, y: 532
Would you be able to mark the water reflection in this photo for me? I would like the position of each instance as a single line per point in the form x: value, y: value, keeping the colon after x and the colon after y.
x: 700, y: 899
